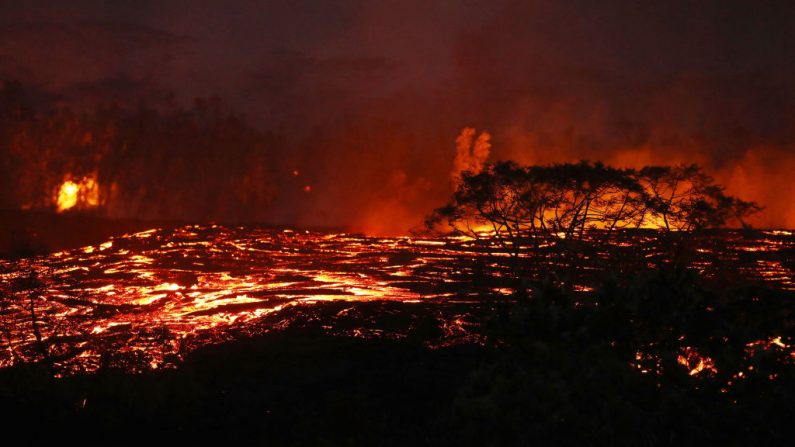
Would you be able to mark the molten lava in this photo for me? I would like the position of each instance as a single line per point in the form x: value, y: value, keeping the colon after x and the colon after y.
x: 144, y: 300
x: 695, y: 362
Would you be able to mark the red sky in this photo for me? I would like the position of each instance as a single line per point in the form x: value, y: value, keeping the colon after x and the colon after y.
x: 370, y: 95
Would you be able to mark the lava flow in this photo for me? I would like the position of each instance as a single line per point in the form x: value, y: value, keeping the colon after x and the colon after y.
x: 144, y: 300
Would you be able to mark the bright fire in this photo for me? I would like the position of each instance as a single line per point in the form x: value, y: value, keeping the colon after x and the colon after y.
x: 83, y: 193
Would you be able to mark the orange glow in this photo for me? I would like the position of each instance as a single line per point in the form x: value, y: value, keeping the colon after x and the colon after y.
x: 67, y: 195
x: 155, y: 295
x: 80, y: 194
x: 696, y: 363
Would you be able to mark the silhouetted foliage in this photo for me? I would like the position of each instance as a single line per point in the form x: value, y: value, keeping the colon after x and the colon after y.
x: 685, y: 198
x: 25, y: 293
x: 572, y: 206
x: 565, y: 201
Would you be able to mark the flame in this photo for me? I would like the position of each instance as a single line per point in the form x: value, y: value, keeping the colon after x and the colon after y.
x: 77, y: 194
x: 67, y: 195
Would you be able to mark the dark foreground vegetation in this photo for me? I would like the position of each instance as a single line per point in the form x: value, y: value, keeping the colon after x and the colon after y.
x: 557, y: 369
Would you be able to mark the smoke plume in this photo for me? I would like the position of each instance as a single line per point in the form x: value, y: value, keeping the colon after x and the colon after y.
x: 471, y: 153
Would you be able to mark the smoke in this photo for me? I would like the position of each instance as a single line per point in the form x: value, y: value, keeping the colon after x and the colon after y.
x: 471, y: 153
x: 560, y: 82
x: 365, y: 100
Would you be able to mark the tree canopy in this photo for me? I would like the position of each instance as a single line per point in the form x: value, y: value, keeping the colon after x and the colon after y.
x: 569, y: 200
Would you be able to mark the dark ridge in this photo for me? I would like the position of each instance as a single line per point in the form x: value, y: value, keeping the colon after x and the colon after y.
x: 31, y: 233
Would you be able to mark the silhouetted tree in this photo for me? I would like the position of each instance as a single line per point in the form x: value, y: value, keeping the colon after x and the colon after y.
x: 6, y: 303
x: 684, y: 198
x: 559, y: 202
x: 564, y: 211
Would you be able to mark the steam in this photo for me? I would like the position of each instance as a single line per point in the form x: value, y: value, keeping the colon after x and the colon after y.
x: 471, y: 152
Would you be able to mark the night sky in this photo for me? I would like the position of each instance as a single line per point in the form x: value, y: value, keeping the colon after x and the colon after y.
x: 370, y: 95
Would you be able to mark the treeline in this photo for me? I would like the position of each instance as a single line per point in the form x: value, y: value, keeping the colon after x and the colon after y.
x: 188, y: 163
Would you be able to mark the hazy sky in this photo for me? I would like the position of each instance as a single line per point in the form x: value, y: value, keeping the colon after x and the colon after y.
x: 629, y: 82
x: 256, y: 55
